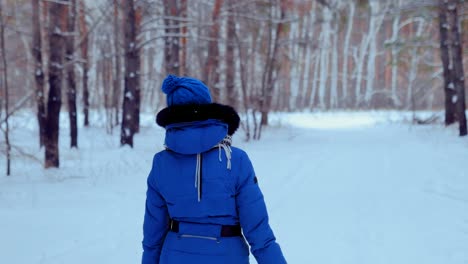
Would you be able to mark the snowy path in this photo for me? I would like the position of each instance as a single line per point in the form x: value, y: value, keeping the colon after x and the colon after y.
x: 384, y: 194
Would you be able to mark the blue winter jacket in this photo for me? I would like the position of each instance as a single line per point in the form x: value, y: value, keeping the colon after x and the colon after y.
x: 204, y: 185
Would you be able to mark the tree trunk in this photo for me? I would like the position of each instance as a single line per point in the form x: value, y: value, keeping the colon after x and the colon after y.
x: 394, y: 60
x: 38, y: 70
x: 302, y: 55
x: 272, y: 68
x: 171, y: 39
x: 211, y: 73
x: 359, y: 62
x: 58, y: 12
x: 251, y: 69
x: 230, y: 62
x: 445, y: 47
x: 151, y: 83
x: 324, y: 56
x: 70, y: 70
x: 132, y: 74
x: 86, y: 89
x: 311, y: 91
x: 183, y: 41
x: 284, y: 72
x: 312, y: 71
x: 136, y: 54
x: 334, y: 68
x: 105, y: 72
x: 349, y: 30
x: 85, y: 56
x: 413, y: 71
x: 374, y: 28
x: 6, y: 90
x: 117, y: 89
x: 457, y: 61
x: 243, y: 78
x: 368, y: 49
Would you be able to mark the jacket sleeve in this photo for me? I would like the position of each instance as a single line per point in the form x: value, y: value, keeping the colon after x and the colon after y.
x: 156, y: 221
x: 254, y: 217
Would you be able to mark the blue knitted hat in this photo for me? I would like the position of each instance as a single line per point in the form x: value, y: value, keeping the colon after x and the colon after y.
x: 185, y: 90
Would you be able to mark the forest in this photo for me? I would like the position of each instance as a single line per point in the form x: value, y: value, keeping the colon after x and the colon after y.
x: 109, y: 57
x: 348, y: 123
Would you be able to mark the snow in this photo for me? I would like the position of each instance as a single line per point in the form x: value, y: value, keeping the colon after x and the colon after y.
x: 341, y: 188
x: 452, y: 7
x: 129, y: 95
x: 57, y: 65
x: 57, y: 30
x: 127, y: 130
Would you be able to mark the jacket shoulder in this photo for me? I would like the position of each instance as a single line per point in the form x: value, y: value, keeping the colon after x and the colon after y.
x: 163, y: 154
x: 239, y: 153
x: 241, y: 157
x: 158, y: 158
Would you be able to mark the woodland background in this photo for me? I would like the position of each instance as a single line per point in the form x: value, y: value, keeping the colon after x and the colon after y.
x: 109, y: 57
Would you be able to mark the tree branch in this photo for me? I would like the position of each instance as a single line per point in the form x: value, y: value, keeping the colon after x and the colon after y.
x: 18, y: 105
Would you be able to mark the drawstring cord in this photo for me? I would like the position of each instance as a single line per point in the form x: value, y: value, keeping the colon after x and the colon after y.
x: 225, y: 145
x: 198, y: 176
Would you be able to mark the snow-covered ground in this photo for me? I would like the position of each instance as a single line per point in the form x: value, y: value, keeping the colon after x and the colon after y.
x: 341, y: 188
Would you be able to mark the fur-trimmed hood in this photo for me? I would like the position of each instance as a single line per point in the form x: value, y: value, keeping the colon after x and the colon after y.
x: 199, y: 112
x: 196, y: 128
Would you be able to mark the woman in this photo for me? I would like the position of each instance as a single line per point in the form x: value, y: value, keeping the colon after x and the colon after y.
x: 202, y: 193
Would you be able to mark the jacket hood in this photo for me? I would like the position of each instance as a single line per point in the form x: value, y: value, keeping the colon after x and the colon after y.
x: 196, y: 128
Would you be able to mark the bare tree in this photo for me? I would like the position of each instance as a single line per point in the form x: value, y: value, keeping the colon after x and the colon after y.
x: 38, y: 72
x: 445, y: 47
x: 6, y: 130
x: 376, y: 21
x: 105, y: 72
x: 313, y: 73
x: 305, y: 33
x: 85, y: 57
x: 136, y: 110
x: 211, y: 71
x: 243, y: 58
x: 395, y: 50
x: 349, y: 29
x: 57, y: 11
x: 452, y: 58
x: 183, y: 39
x: 230, y: 62
x: 171, y: 37
x: 70, y: 71
x: 132, y: 75
x: 117, y: 89
x: 324, y: 55
x: 272, y: 63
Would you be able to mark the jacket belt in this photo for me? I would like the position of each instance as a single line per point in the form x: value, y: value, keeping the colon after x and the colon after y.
x: 226, y: 230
